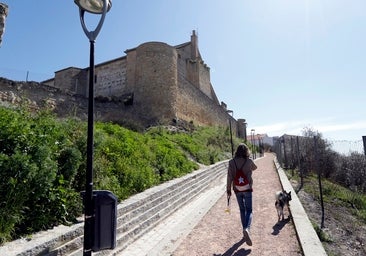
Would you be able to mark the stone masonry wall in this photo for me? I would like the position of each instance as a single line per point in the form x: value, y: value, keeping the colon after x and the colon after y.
x: 155, y: 89
x: 111, y: 78
x: 196, y: 106
x: 204, y: 79
x: 65, y: 80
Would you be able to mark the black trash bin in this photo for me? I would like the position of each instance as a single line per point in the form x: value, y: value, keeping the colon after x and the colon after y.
x: 105, y: 220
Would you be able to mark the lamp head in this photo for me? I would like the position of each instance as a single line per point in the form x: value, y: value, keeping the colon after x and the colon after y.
x: 93, y: 6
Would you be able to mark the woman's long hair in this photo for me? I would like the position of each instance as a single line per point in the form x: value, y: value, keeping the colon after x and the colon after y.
x: 242, y: 151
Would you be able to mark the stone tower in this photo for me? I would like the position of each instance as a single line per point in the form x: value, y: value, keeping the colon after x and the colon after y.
x: 156, y: 81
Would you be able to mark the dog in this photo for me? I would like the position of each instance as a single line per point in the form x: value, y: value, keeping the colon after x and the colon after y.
x: 282, y: 199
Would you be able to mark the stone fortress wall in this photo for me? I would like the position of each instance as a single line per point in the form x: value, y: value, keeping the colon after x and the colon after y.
x: 154, y: 83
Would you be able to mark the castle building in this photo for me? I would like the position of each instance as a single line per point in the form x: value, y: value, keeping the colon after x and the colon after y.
x: 156, y: 84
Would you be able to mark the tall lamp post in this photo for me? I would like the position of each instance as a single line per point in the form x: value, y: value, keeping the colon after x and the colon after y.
x: 94, y: 7
x: 252, y: 132
x: 231, y: 133
x: 245, y: 131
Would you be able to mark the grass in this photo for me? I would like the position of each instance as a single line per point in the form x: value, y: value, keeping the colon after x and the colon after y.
x: 323, y: 236
x: 334, y: 194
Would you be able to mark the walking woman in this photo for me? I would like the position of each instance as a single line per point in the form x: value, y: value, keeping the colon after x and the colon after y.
x: 239, y: 178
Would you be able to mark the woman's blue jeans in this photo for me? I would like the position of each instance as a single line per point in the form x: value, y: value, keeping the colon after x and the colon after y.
x: 245, y: 205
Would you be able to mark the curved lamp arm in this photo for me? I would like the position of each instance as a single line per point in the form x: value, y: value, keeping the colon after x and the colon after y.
x: 92, y: 35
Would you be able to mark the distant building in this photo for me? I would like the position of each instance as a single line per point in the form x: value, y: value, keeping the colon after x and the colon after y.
x: 260, y: 139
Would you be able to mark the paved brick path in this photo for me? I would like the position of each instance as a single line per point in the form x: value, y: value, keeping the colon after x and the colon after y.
x: 220, y: 234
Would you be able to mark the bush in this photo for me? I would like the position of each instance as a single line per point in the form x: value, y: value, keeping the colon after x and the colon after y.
x: 43, y: 163
x: 33, y: 192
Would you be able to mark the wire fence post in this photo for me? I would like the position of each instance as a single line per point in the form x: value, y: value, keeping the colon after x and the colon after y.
x: 292, y: 156
x: 299, y: 164
x: 319, y: 178
x: 280, y: 153
x: 284, y: 152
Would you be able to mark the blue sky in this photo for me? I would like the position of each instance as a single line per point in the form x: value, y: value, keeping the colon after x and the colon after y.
x: 282, y: 65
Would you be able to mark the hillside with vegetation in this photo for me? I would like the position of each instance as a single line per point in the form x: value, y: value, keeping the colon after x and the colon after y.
x: 43, y: 163
x: 344, y: 227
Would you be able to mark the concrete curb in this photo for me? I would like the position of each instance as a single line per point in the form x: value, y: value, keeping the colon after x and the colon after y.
x: 308, y: 238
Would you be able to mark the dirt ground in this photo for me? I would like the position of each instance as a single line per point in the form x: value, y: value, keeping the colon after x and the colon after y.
x: 345, y: 234
x: 220, y: 233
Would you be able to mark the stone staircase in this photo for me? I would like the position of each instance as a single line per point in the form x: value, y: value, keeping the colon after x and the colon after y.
x: 135, y: 216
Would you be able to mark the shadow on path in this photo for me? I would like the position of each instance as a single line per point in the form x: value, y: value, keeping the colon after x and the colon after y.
x: 232, y: 251
x: 279, y: 225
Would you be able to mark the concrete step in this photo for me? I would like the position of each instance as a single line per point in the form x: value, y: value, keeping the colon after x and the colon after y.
x: 166, y: 208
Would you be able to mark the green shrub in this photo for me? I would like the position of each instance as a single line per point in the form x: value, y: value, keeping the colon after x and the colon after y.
x: 43, y: 165
x: 32, y: 194
x: 322, y: 234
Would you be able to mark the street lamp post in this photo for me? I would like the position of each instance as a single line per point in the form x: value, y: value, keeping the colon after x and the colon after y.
x: 245, y: 131
x: 94, y: 7
x: 252, y: 140
x: 231, y: 133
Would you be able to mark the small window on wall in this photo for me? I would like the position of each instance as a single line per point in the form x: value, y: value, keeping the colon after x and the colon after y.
x: 128, y: 99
